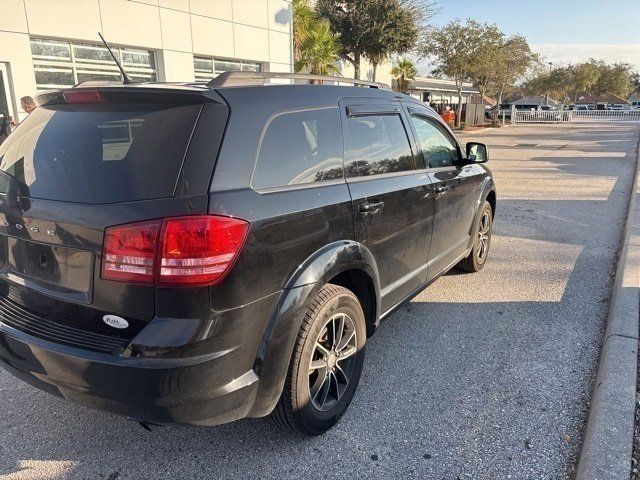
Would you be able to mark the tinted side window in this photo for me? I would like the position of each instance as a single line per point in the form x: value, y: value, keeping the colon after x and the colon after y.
x: 300, y: 147
x: 438, y: 149
x: 377, y: 144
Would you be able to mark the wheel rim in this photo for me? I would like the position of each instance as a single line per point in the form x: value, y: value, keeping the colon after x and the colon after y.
x: 483, y: 235
x: 332, y: 362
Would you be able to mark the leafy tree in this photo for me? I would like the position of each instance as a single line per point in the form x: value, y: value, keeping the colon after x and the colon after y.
x: 594, y: 77
x: 392, y: 29
x: 346, y: 19
x: 557, y: 83
x: 316, y: 48
x: 404, y: 71
x: 635, y: 80
x: 563, y: 82
x: 374, y: 28
x: 582, y: 77
x: 613, y: 79
x: 455, y: 47
x: 514, y: 58
x: 482, y: 72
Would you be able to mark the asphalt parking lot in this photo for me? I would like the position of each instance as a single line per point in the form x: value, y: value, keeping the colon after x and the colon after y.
x: 483, y: 376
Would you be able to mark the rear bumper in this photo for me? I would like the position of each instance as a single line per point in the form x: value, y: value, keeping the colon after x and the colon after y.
x: 193, y: 390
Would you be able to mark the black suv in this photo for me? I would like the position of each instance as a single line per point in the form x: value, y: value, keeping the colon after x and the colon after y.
x: 203, y: 253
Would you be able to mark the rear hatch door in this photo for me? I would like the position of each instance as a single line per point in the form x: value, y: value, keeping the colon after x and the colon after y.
x: 70, y: 170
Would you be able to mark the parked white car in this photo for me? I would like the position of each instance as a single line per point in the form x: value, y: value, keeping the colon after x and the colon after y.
x: 619, y: 106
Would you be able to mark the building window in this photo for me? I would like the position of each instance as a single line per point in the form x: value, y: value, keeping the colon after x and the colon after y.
x: 207, y: 68
x: 60, y: 63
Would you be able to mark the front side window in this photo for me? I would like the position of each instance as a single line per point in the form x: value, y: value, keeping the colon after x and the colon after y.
x: 438, y: 149
x: 300, y: 148
x: 377, y: 144
x: 60, y: 64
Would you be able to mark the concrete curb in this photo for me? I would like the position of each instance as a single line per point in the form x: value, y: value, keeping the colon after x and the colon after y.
x: 608, y: 440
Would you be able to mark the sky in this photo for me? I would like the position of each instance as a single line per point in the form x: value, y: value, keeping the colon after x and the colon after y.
x: 563, y: 31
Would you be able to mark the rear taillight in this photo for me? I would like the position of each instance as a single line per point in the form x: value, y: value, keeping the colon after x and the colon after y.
x: 129, y: 252
x: 199, y: 249
x: 194, y: 250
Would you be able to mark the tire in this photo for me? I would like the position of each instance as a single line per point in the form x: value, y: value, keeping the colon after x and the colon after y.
x: 315, y: 397
x: 480, y: 250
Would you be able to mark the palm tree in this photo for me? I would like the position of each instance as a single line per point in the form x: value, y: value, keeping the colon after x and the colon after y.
x: 404, y: 71
x: 319, y: 49
x: 303, y: 16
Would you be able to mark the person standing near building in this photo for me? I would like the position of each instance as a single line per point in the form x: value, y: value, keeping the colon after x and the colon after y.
x: 28, y: 105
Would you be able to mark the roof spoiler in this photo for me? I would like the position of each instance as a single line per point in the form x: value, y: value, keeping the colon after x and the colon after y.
x: 237, y: 79
x: 100, y: 93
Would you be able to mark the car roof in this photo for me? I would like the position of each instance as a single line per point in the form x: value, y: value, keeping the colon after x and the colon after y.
x: 303, y: 93
x: 276, y: 98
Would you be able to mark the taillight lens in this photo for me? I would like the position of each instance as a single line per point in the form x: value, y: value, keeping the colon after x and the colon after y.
x: 83, y: 96
x: 194, y: 250
x: 129, y: 252
x: 199, y: 249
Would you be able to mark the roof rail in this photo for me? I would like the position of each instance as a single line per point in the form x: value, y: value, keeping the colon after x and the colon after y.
x: 96, y: 83
x: 236, y: 79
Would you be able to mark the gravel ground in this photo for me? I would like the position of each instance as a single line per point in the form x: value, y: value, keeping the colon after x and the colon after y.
x: 483, y: 376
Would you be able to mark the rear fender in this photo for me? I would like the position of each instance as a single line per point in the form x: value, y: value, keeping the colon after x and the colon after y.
x: 332, y: 259
x: 274, y: 353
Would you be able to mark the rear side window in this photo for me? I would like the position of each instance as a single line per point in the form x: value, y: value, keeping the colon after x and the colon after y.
x: 377, y: 144
x: 437, y: 147
x: 100, y: 153
x: 300, y: 148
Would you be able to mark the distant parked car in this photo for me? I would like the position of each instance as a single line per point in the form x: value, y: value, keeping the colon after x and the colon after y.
x: 619, y: 106
x: 583, y: 107
x: 635, y: 105
x: 506, y: 109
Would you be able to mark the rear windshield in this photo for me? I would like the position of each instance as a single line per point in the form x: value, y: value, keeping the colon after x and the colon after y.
x: 100, y: 153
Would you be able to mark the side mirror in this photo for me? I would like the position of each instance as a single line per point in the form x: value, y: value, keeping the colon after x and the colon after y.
x: 477, y: 152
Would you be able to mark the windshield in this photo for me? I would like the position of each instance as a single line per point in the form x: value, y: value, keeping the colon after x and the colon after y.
x: 99, y: 153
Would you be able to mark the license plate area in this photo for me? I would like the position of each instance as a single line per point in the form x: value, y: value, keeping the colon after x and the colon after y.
x: 54, y: 270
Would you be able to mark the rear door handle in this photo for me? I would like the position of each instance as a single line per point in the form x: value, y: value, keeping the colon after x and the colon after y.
x: 370, y: 207
x: 442, y: 188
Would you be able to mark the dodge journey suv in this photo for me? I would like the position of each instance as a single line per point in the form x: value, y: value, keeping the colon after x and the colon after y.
x: 203, y: 253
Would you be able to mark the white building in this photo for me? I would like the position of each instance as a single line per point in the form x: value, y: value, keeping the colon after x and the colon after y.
x: 440, y: 91
x: 54, y: 43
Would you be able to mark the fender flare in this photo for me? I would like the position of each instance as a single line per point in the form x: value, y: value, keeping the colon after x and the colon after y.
x: 332, y: 259
x: 276, y: 347
x: 486, y: 187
